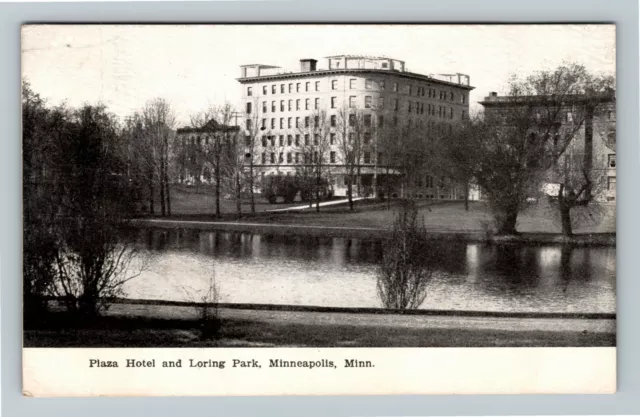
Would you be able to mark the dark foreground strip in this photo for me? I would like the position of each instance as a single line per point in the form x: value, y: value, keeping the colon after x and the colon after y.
x: 320, y: 309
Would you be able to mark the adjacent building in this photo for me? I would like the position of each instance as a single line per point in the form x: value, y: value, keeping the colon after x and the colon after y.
x: 279, y: 104
x: 196, y: 150
x: 593, y: 146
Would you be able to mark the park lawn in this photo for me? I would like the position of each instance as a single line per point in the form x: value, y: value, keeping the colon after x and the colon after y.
x: 448, y: 217
x: 189, y: 200
x: 187, y: 203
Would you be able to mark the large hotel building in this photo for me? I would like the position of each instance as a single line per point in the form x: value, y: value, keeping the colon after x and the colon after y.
x: 281, y: 102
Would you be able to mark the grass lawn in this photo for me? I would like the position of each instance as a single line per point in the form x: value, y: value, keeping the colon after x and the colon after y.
x: 439, y: 216
x: 452, y: 217
x: 189, y: 200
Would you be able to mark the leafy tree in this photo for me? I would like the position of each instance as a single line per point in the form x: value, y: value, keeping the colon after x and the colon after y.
x: 523, y: 136
x: 40, y: 203
x: 92, y: 260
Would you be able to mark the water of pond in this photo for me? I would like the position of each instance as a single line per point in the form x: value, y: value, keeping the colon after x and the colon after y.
x: 339, y: 272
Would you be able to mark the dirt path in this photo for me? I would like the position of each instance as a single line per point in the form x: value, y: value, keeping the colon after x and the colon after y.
x: 605, y: 326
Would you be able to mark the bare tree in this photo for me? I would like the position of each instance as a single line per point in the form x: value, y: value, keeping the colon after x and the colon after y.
x: 579, y: 182
x: 233, y: 155
x: 408, y: 149
x: 315, y: 152
x: 388, y: 153
x: 257, y: 135
x: 458, y: 154
x: 158, y: 122
x: 351, y: 127
x: 217, y: 150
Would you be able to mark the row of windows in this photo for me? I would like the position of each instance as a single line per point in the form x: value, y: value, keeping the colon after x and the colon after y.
x: 412, y: 107
x: 286, y: 106
x: 368, y: 85
x: 292, y: 140
x: 297, y: 157
x: 367, y: 158
x: 367, y: 121
x: 284, y: 89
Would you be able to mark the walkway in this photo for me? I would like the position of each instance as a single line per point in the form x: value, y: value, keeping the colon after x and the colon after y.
x: 240, y: 223
x: 326, y: 203
x: 516, y: 324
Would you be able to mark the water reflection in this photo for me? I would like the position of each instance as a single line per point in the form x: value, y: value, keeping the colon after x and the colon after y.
x: 341, y: 272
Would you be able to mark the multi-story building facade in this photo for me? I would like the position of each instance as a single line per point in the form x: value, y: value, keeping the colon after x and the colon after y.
x: 592, y: 122
x: 279, y: 104
x: 196, y: 151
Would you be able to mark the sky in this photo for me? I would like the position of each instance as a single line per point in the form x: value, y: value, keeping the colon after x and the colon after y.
x: 194, y: 66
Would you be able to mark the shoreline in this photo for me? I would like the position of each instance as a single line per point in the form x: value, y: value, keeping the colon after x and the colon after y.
x: 370, y: 310
x: 590, y: 239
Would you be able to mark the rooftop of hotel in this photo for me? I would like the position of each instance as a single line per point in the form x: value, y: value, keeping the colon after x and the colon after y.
x: 348, y: 63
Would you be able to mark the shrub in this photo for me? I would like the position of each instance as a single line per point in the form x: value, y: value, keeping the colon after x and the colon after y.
x: 207, y: 308
x: 405, y: 270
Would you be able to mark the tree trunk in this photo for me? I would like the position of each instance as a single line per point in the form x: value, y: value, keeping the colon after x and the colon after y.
x: 166, y: 183
x: 564, y: 205
x: 318, y: 193
x: 507, y: 222
x: 162, y: 200
x: 358, y: 183
x: 238, y: 196
x: 151, y: 196
x: 218, y: 180
x: 350, y: 191
x: 251, y: 185
x: 88, y: 304
x: 166, y: 176
x: 588, y: 149
x: 466, y: 196
x: 388, y: 190
x: 565, y: 215
x: 375, y: 182
x: 162, y: 168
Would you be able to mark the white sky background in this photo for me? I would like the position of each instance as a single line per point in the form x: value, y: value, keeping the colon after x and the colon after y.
x: 193, y: 66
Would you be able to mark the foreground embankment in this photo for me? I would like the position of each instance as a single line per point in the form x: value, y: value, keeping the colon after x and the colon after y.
x: 586, y: 239
x: 149, y: 323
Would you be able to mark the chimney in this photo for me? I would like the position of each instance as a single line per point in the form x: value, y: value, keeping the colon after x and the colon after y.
x: 308, y: 65
x: 493, y: 94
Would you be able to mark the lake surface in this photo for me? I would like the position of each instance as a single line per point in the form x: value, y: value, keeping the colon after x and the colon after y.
x: 341, y: 272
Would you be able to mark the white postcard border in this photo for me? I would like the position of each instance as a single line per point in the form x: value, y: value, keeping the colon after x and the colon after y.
x: 66, y: 372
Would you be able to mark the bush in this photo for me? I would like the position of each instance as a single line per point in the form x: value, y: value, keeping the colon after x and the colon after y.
x: 278, y: 186
x: 207, y: 300
x: 405, y: 270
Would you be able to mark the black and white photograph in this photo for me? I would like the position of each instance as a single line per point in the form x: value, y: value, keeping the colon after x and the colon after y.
x: 317, y: 186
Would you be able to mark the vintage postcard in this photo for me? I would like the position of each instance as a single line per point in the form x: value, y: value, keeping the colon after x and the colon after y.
x: 318, y: 209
